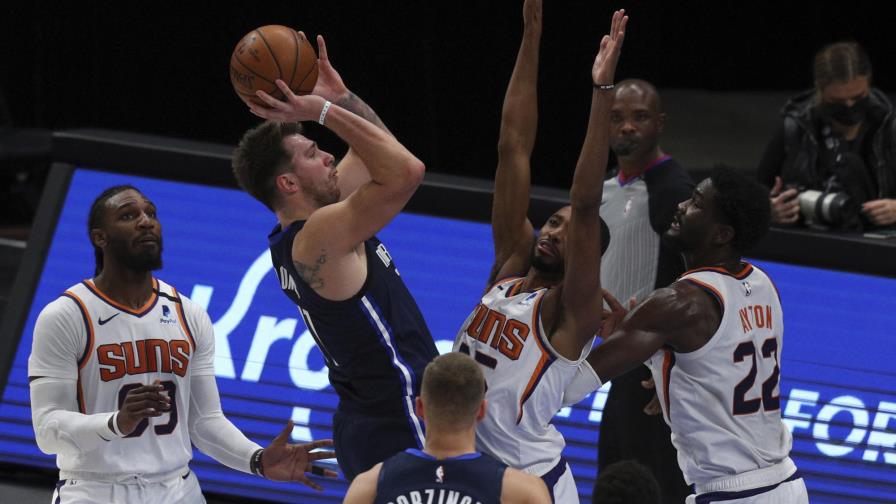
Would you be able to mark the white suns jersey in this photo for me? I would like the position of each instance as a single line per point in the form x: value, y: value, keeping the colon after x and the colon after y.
x: 110, y: 349
x: 722, y: 401
x: 524, y: 375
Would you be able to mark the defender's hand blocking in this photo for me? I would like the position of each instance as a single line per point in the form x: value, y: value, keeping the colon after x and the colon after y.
x: 289, y: 462
x: 140, y: 403
x: 604, y: 69
x: 293, y: 109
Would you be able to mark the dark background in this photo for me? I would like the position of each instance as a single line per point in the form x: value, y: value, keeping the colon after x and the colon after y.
x: 435, y: 71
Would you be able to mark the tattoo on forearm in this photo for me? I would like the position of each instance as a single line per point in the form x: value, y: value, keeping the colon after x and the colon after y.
x: 356, y: 105
x: 311, y: 273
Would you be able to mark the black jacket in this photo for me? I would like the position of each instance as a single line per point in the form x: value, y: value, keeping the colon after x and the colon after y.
x: 794, y: 151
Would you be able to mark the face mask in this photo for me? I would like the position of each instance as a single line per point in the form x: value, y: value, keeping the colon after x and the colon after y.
x: 845, y: 115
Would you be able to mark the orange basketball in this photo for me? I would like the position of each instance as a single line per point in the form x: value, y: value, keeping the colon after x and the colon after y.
x: 269, y: 53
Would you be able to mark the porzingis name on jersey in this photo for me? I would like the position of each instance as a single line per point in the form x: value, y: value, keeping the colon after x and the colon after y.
x: 434, y: 496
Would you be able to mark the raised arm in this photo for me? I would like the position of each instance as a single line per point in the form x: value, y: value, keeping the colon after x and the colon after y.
x: 580, y: 292
x: 351, y: 169
x: 511, y: 230
x: 395, y: 174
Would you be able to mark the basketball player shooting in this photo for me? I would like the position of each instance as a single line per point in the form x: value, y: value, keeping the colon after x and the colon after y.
x: 332, y: 266
x: 122, y: 377
x: 538, y: 318
x: 713, y: 342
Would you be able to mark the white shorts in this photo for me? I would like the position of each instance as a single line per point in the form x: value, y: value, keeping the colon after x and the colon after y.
x: 561, y: 484
x: 180, y: 489
x: 788, y: 492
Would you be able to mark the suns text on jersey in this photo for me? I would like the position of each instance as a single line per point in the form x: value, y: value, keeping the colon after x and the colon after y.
x: 143, y: 356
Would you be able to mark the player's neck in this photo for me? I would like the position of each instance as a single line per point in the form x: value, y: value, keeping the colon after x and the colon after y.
x: 294, y: 211
x: 715, y: 258
x: 124, y: 286
x: 443, y: 445
x: 537, y: 279
x: 635, y: 166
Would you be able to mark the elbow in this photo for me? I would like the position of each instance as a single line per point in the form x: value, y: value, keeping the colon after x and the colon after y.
x: 509, y: 145
x: 412, y: 174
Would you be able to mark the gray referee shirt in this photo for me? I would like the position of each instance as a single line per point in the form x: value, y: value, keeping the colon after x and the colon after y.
x: 638, y: 211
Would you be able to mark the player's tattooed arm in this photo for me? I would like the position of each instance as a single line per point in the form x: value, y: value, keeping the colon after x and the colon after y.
x: 310, y: 273
x: 352, y: 102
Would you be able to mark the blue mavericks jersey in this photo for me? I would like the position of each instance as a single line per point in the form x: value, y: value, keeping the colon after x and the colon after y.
x: 415, y: 476
x: 376, y: 343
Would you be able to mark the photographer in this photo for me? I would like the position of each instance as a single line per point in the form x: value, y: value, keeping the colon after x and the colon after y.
x: 833, y: 158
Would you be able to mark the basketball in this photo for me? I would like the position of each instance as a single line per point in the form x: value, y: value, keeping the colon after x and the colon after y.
x: 269, y: 53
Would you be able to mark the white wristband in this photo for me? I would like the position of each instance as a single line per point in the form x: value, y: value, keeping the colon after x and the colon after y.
x: 323, y: 112
x: 115, y: 425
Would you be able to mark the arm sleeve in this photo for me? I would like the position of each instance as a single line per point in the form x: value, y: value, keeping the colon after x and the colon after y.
x: 211, y: 431
x: 772, y: 158
x: 58, y: 426
x: 585, y: 382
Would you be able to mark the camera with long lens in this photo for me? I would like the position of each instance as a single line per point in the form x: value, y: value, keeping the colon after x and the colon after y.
x: 827, y: 208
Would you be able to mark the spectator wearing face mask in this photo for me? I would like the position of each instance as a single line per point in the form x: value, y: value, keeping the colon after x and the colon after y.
x: 838, y: 137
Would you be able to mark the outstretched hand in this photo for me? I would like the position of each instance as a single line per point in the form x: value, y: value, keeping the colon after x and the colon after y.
x: 604, y: 69
x: 293, y: 109
x: 329, y: 82
x: 281, y: 461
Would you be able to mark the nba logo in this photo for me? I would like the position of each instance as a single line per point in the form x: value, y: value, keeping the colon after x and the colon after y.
x: 747, y: 288
x: 440, y: 474
x: 165, y: 311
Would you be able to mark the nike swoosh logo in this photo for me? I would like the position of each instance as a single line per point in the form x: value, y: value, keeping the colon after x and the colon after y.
x: 101, y: 321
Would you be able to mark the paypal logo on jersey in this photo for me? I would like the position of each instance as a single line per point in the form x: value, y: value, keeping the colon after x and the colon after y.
x: 166, y: 316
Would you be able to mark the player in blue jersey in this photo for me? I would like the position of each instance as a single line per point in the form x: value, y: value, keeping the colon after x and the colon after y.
x: 330, y: 263
x: 448, y: 469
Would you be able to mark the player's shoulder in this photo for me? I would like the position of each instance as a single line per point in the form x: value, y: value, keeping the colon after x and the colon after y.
x: 364, y: 486
x: 520, y: 487
x: 67, y: 306
x: 678, y: 302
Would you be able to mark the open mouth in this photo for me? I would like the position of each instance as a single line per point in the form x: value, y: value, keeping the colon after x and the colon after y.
x: 546, y: 247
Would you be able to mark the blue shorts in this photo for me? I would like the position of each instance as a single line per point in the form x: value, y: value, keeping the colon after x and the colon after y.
x: 362, y: 441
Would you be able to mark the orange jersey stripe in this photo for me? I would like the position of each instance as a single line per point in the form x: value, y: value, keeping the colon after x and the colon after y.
x: 709, y: 288
x: 545, y: 356
x: 183, y: 320
x: 139, y: 311
x: 88, y: 349
x: 668, y: 363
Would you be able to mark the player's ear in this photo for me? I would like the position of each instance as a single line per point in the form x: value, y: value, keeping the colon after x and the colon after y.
x: 418, y: 408
x: 482, y: 409
x: 287, y: 184
x: 723, y: 234
x: 98, y: 237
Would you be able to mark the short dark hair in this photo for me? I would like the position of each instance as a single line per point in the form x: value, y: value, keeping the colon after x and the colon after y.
x: 260, y: 157
x: 626, y: 482
x: 840, y: 62
x: 452, y: 389
x: 743, y: 203
x: 96, y: 215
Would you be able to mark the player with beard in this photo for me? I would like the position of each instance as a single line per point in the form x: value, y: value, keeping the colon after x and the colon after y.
x: 713, y: 342
x: 122, y: 377
x: 538, y: 317
x: 332, y: 266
